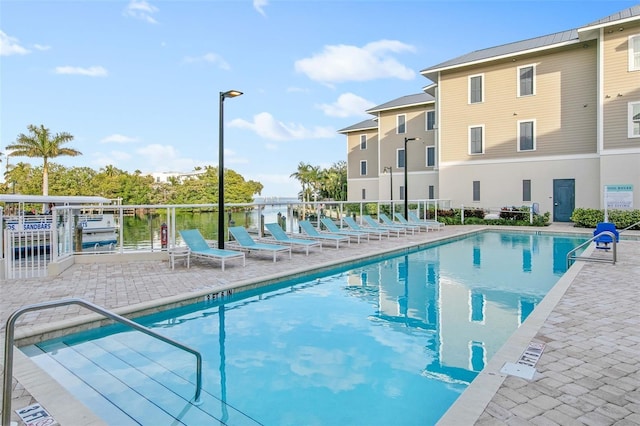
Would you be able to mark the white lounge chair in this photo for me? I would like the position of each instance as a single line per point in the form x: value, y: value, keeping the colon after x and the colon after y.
x: 282, y: 237
x: 245, y: 242
x: 199, y: 248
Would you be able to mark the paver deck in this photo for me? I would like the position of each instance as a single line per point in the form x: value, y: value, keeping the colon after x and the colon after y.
x: 588, y: 374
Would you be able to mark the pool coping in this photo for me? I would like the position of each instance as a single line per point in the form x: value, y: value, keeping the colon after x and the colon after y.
x: 66, y: 409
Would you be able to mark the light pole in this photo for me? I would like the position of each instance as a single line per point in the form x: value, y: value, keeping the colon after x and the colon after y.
x: 223, y: 96
x: 390, y: 170
x: 406, y: 192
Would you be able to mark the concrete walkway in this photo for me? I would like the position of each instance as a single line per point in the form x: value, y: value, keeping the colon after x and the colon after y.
x: 587, y: 372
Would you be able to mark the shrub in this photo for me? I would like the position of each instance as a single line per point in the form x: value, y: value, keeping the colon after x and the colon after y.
x: 589, y: 218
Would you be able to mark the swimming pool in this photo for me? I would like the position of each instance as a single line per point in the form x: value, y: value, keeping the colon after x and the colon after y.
x: 393, y: 341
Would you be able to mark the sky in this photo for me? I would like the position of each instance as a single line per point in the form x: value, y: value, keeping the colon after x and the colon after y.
x: 138, y: 82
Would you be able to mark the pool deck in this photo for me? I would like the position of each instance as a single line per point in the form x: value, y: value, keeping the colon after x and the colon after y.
x: 589, y: 372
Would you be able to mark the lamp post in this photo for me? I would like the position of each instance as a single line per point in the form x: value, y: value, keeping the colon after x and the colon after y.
x: 390, y: 170
x: 223, y: 96
x: 406, y: 192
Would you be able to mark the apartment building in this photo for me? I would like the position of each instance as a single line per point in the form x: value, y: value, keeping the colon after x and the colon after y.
x: 550, y: 120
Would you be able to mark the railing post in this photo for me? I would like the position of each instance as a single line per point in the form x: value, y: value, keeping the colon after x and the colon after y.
x: 462, y: 214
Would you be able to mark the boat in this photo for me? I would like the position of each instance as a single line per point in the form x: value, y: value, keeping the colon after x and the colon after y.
x: 22, y: 219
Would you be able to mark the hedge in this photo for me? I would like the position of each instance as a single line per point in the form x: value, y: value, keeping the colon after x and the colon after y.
x: 589, y: 218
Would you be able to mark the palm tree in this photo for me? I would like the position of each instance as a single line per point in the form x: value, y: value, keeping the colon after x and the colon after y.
x: 39, y: 143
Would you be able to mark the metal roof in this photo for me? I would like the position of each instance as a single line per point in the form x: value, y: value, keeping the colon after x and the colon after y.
x: 518, y: 47
x: 623, y: 15
x: 363, y: 125
x: 403, y: 102
x: 57, y: 199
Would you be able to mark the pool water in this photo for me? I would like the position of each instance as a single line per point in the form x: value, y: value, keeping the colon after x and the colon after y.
x: 394, y: 341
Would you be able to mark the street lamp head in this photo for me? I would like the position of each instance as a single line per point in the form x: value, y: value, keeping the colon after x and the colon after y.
x: 411, y: 139
x: 230, y: 94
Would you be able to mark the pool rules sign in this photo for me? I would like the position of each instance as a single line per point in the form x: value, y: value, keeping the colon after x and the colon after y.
x: 617, y: 197
x: 36, y: 415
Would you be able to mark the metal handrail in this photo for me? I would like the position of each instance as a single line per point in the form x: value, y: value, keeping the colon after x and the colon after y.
x: 9, y: 341
x: 614, y: 250
x: 631, y: 226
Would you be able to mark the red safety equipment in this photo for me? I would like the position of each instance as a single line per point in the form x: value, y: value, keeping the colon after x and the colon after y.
x: 164, y: 235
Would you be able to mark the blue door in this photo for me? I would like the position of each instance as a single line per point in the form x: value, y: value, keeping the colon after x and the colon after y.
x: 564, y: 199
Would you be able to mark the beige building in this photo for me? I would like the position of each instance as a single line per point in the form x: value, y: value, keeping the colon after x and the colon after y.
x: 550, y: 120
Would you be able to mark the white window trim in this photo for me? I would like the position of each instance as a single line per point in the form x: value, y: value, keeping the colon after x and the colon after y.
x: 363, y: 138
x: 426, y: 121
x: 484, y: 139
x: 630, y: 120
x: 398, y: 124
x: 365, y: 167
x: 398, y: 158
x: 533, y: 88
x: 534, y: 135
x: 426, y: 156
x: 469, y: 89
x: 632, y: 53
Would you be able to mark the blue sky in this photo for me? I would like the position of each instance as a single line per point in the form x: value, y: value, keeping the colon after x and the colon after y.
x: 137, y: 82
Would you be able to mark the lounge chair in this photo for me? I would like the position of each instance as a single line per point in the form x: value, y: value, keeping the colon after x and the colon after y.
x: 312, y: 232
x: 603, y: 241
x: 200, y: 248
x: 413, y: 218
x: 333, y: 228
x: 404, y: 221
x: 280, y: 236
x: 246, y: 242
x: 374, y: 224
x: 388, y: 222
x: 353, y: 225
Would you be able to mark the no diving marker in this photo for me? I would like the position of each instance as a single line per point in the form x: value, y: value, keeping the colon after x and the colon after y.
x: 36, y: 415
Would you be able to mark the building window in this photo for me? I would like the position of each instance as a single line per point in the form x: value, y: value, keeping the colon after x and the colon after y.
x: 363, y: 168
x: 364, y: 194
x: 634, y: 53
x: 401, y: 124
x: 475, y: 89
x: 363, y: 141
x: 526, y: 82
x: 431, y: 120
x: 475, y: 140
x: 432, y: 192
x: 402, y: 192
x: 400, y: 158
x: 634, y: 119
x: 526, y: 190
x: 526, y: 138
x: 476, y: 190
x: 431, y: 156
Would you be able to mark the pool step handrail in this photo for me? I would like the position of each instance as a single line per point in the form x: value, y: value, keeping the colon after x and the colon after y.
x: 571, y: 256
x: 631, y: 226
x: 9, y: 342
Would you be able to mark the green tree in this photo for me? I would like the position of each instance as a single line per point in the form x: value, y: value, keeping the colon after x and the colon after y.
x: 39, y: 143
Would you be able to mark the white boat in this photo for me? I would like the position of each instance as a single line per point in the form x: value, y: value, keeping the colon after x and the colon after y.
x: 98, y: 229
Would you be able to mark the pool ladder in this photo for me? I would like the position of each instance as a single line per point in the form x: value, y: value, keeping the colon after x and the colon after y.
x: 9, y: 341
x: 571, y: 256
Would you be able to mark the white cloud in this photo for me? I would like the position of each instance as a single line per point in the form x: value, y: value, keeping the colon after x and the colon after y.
x: 347, y: 105
x: 162, y: 157
x: 140, y: 9
x: 10, y: 46
x: 118, y: 138
x: 211, y: 58
x: 94, y: 71
x: 41, y: 47
x: 341, y: 63
x: 266, y: 126
x: 259, y: 6
x: 271, y: 146
x: 101, y: 159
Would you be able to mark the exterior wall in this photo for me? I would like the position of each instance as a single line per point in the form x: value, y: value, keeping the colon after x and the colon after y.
x: 355, y: 181
x: 621, y: 169
x: 419, y: 175
x: 564, y: 106
x: 620, y: 87
x: 501, y: 183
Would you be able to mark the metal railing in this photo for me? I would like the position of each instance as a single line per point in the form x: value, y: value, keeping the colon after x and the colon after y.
x: 614, y: 250
x: 9, y: 341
